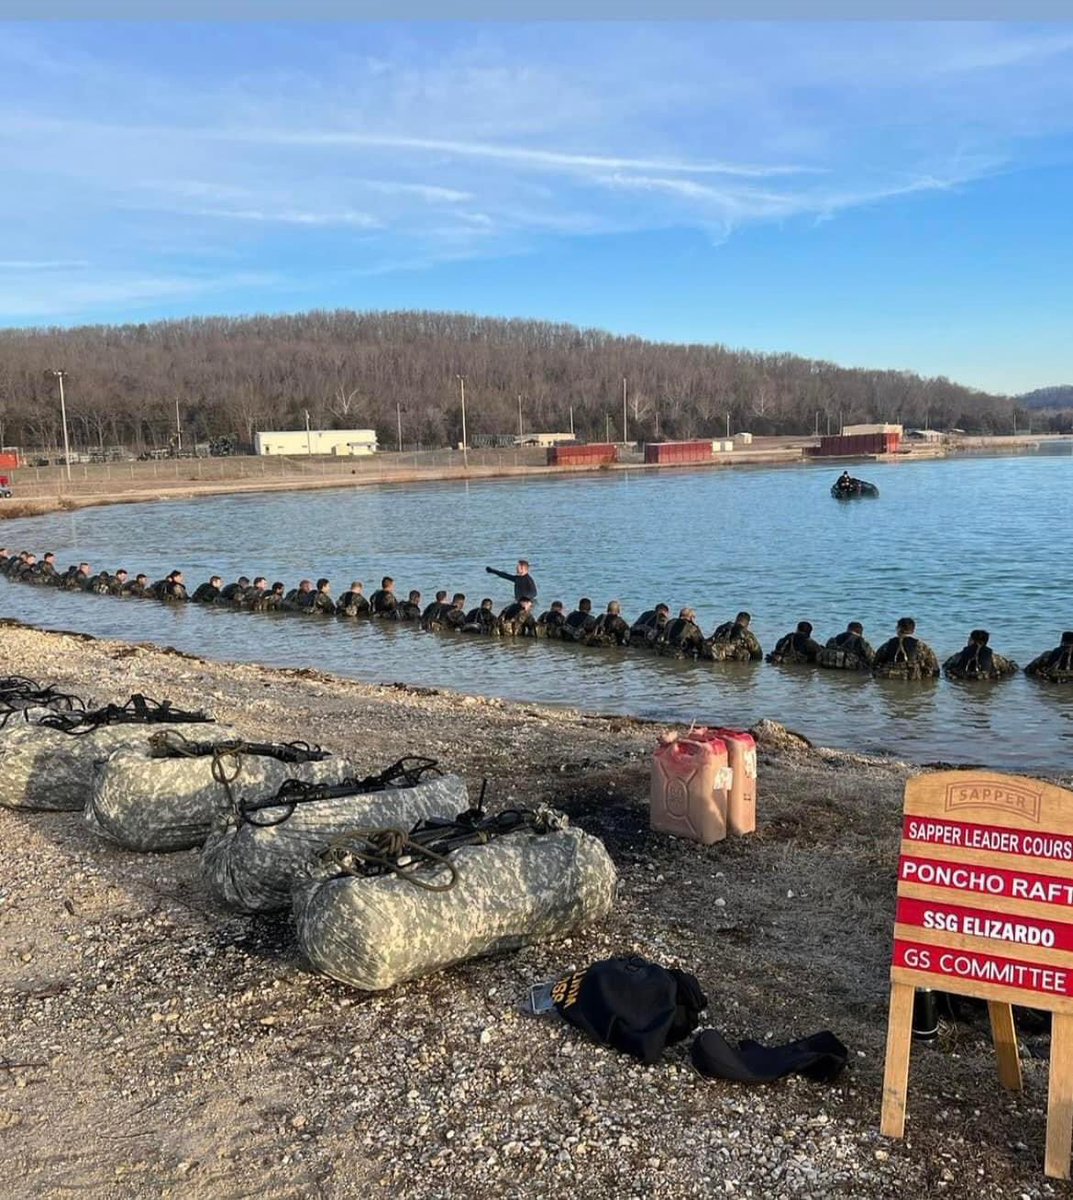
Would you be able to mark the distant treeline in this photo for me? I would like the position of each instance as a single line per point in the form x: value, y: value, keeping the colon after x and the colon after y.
x: 1053, y: 399
x: 365, y: 370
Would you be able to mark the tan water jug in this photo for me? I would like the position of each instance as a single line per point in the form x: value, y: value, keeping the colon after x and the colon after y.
x: 741, y: 754
x: 689, y: 789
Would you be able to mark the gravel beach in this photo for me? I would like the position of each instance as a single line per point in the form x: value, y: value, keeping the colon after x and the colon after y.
x: 153, y: 1044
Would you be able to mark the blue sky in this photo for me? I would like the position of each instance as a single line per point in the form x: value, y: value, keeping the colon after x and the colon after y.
x: 893, y: 195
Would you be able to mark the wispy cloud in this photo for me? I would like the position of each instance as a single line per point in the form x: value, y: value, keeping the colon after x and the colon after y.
x: 156, y: 160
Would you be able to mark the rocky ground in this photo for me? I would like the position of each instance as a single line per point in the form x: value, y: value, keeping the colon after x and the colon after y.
x: 155, y: 1045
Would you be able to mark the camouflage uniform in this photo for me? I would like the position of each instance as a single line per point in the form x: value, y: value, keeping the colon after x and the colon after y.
x: 454, y: 617
x: 611, y: 630
x: 682, y: 638
x: 905, y: 657
x: 515, y: 621
x: 648, y: 630
x: 550, y: 624
x: 577, y: 626
x: 409, y: 611
x: 353, y: 604
x: 481, y: 620
x: 978, y: 662
x: 796, y: 647
x: 206, y: 593
x: 434, y: 615
x: 43, y: 575
x: 230, y: 594
x: 847, y: 652
x: 384, y: 603
x: 140, y: 591
x: 99, y: 585
x: 117, y: 587
x: 1055, y: 665
x: 732, y: 642
x: 322, y: 603
x: 170, y: 591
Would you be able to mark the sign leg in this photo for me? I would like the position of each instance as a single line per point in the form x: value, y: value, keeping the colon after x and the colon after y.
x: 1060, y: 1097
x: 1004, y: 1035
x: 896, y: 1071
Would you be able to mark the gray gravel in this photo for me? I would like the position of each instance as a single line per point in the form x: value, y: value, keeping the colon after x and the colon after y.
x: 153, y: 1044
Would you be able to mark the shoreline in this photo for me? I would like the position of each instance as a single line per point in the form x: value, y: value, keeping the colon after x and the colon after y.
x: 187, y: 1050
x: 38, y: 498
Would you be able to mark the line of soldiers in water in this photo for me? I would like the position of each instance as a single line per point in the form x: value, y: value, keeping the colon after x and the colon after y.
x: 903, y: 656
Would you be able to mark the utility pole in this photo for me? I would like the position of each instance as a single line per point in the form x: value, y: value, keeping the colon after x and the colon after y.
x: 465, y: 449
x: 728, y: 425
x: 60, y: 376
x: 608, y: 434
x: 571, y: 420
x: 521, y: 431
x: 309, y: 441
x: 657, y: 424
x: 816, y: 431
x: 398, y: 416
x: 624, y: 435
x: 178, y: 429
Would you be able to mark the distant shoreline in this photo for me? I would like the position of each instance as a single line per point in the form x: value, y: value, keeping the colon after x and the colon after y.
x: 38, y: 492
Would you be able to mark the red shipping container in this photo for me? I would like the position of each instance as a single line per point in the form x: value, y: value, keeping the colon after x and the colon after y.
x: 9, y: 459
x: 678, y: 452
x: 592, y: 455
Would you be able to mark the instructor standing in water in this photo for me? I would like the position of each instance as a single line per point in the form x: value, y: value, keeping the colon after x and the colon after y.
x: 525, y: 587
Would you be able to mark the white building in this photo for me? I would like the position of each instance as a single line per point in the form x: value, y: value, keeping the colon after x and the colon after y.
x: 340, y: 442
x: 543, y: 439
x: 856, y: 430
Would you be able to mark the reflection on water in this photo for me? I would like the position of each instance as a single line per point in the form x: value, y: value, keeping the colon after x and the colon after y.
x: 956, y: 543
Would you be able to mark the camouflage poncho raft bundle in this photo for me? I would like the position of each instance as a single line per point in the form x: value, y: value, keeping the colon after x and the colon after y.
x: 162, y: 794
x: 47, y: 762
x: 255, y: 851
x: 380, y: 908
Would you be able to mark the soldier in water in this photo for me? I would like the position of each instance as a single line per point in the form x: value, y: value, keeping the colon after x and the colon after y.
x: 734, y: 641
x: 648, y: 629
x: 1055, y: 665
x: 682, y: 637
x: 551, y: 622
x: 611, y: 629
x: 432, y: 617
x: 410, y: 608
x: 517, y: 619
x: 847, y: 651
x: 905, y: 656
x: 796, y: 647
x: 978, y: 660
x: 580, y: 623
x: 206, y: 593
x: 322, y: 601
x: 483, y: 619
x: 455, y: 616
x: 353, y: 602
x: 383, y: 601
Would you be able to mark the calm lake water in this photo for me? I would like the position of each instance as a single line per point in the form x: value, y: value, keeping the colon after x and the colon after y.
x: 955, y: 543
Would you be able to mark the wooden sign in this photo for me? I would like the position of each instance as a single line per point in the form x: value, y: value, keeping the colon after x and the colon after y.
x: 985, y: 909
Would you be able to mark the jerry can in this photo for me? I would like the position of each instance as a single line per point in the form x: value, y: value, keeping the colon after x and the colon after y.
x: 741, y: 754
x: 689, y: 788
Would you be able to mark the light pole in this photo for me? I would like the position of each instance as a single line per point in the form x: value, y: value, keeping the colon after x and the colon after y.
x: 61, y: 376
x: 178, y: 429
x: 571, y: 420
x: 398, y: 415
x: 624, y: 437
x: 465, y: 449
x: 521, y: 431
x: 309, y: 443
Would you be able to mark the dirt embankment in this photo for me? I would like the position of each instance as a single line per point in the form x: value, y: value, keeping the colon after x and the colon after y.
x: 155, y: 1045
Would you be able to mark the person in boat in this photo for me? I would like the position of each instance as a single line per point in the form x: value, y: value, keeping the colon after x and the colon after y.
x: 483, y: 619
x: 455, y: 616
x: 848, y: 651
x: 383, y: 601
x: 978, y: 660
x: 432, y: 617
x: 734, y: 641
x: 410, y: 608
x: 525, y: 587
x: 517, y: 619
x: 550, y: 623
x: 796, y: 647
x: 353, y: 602
x: 1055, y: 665
x: 649, y: 626
x: 580, y: 623
x: 682, y: 637
x: 904, y: 656
x: 611, y: 629
x: 139, y: 588
x: 206, y: 593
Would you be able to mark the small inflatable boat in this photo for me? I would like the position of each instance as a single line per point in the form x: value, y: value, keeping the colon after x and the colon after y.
x: 854, y: 490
